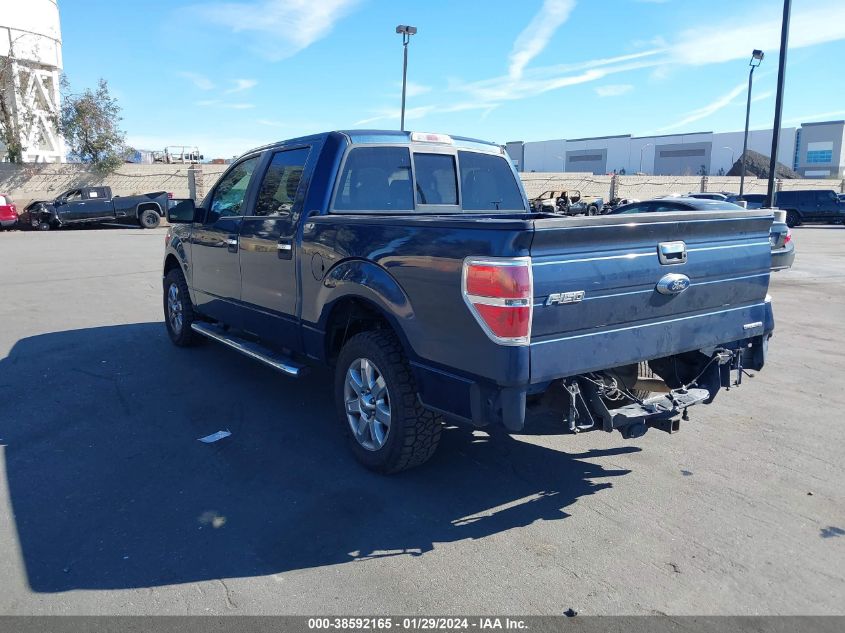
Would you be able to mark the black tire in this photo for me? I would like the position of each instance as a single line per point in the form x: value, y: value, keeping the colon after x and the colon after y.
x: 44, y: 226
x: 592, y: 210
x: 414, y: 431
x: 792, y: 219
x: 149, y: 219
x: 180, y: 332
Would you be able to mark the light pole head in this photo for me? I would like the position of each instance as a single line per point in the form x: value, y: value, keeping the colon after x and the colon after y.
x: 756, y: 58
x: 406, y: 30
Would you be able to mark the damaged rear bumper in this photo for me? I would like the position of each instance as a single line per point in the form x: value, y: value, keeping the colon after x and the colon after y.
x: 585, y: 403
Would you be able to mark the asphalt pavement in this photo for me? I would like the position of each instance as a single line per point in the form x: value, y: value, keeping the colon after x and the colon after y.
x: 110, y: 505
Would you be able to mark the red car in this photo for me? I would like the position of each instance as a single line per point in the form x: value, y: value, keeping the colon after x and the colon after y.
x: 8, y: 212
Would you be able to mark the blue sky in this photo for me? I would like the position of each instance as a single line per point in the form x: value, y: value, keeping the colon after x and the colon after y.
x: 230, y: 75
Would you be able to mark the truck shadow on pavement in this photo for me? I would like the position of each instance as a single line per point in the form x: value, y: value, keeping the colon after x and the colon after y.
x: 111, y: 489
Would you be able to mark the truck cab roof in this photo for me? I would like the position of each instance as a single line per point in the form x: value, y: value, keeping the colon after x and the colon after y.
x: 391, y: 137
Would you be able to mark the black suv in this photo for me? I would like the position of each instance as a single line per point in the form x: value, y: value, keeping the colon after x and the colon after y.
x: 810, y: 205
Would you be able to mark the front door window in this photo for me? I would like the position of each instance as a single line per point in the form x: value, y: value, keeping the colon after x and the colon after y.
x: 229, y: 195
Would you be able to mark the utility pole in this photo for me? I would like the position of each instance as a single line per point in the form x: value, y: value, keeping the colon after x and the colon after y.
x: 784, y: 42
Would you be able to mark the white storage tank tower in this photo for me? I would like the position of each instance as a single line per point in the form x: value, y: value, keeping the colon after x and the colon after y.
x: 31, y: 45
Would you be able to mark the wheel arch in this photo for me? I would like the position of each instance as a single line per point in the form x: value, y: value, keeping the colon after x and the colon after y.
x: 361, y: 295
x: 171, y: 262
x: 147, y: 206
x: 353, y: 314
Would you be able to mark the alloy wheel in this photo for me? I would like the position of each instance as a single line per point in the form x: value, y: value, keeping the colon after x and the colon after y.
x: 367, y: 404
x: 174, y: 309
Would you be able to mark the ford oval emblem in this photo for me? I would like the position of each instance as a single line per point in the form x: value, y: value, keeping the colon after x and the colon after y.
x: 673, y: 284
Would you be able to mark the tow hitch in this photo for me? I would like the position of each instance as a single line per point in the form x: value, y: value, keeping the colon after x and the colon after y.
x: 591, y: 396
x: 588, y: 410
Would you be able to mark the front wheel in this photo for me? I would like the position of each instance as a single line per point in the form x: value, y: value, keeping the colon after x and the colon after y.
x: 792, y: 219
x: 149, y: 219
x: 376, y: 397
x: 178, y: 309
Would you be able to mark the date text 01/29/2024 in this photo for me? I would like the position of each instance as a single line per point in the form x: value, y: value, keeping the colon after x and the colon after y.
x: 417, y: 623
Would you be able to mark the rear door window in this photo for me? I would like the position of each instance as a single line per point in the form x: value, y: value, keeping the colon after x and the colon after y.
x: 376, y: 179
x: 437, y: 181
x: 281, y: 183
x: 488, y: 184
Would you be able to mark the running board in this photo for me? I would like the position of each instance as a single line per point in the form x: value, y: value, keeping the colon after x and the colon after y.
x: 252, y: 350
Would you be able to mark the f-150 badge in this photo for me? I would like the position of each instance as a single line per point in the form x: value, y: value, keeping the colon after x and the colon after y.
x: 560, y: 298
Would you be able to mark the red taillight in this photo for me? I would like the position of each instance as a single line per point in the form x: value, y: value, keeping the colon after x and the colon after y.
x: 506, y: 282
x: 788, y: 237
x: 499, y: 294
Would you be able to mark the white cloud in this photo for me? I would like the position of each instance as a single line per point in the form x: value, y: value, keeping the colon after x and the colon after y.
x: 541, y: 80
x: 278, y: 28
x: 711, y: 108
x: 763, y: 96
x: 269, y: 123
x: 813, y: 22
x: 200, y: 81
x: 216, y: 103
x: 817, y: 23
x: 241, y: 85
x: 614, y: 90
x: 413, y: 89
x: 535, y: 37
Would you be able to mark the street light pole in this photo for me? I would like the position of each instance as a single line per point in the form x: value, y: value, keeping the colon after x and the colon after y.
x: 773, y: 160
x: 406, y: 32
x: 756, y: 56
x: 642, y: 149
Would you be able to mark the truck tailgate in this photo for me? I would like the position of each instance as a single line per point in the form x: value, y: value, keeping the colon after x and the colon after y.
x: 596, y: 298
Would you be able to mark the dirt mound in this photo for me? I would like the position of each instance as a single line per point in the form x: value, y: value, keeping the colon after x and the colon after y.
x: 757, y: 165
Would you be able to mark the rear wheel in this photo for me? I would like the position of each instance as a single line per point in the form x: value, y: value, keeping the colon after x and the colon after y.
x: 178, y: 309
x: 149, y: 219
x: 792, y: 219
x: 376, y: 396
x: 44, y: 226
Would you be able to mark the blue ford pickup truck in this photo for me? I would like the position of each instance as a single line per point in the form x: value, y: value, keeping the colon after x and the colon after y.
x: 413, y: 264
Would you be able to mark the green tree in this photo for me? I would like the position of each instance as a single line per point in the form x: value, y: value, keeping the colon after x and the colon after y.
x: 90, y: 123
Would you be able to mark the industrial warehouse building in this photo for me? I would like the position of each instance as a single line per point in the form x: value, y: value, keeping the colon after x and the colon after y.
x: 815, y: 150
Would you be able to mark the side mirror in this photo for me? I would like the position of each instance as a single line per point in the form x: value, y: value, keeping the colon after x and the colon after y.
x: 182, y: 212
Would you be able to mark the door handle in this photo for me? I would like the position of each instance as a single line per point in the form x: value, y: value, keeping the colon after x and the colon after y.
x: 232, y: 243
x: 285, y: 249
x: 669, y: 253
